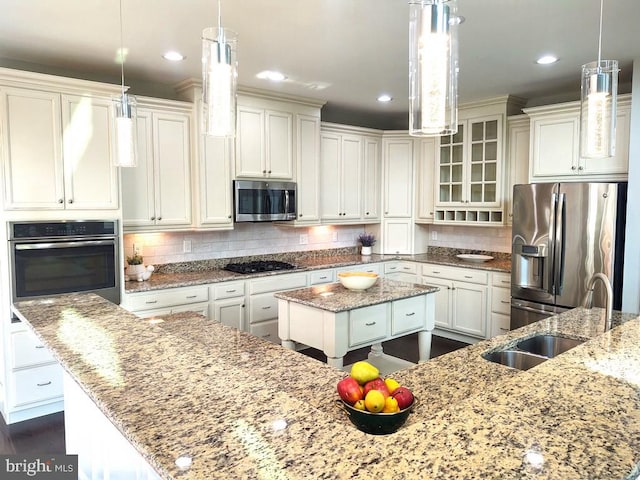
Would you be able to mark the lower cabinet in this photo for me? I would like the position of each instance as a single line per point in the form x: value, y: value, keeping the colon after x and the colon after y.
x: 167, y: 301
x: 228, y: 303
x: 401, y: 271
x: 461, y: 303
x: 500, y: 303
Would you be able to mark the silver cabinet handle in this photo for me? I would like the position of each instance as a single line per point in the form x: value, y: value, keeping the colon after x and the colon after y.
x: 504, y: 329
x: 323, y: 278
x: 231, y: 291
x: 151, y: 302
x: 468, y: 276
x: 410, y: 314
x: 266, y: 336
x: 267, y: 307
x: 60, y: 200
x: 436, y: 272
x: 44, y: 384
x: 370, y: 324
x: 508, y: 282
x: 39, y: 346
x: 505, y: 302
x: 71, y: 200
x: 192, y: 296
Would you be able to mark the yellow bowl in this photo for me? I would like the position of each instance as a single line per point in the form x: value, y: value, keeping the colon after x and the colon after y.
x: 357, y: 280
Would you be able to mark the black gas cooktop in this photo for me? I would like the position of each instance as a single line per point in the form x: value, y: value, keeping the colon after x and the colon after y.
x: 258, y: 266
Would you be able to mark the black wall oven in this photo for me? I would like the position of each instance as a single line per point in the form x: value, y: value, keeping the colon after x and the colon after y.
x: 50, y: 258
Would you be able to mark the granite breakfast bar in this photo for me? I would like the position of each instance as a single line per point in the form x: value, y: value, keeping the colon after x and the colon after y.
x: 240, y: 407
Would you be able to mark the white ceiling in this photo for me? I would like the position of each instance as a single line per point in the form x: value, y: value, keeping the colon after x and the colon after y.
x: 356, y: 49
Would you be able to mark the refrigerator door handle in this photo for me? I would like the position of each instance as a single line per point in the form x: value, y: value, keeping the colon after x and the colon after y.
x: 549, y: 282
x: 558, y: 258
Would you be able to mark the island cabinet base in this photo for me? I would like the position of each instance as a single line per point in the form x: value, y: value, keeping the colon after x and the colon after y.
x: 336, y: 333
x: 103, y: 452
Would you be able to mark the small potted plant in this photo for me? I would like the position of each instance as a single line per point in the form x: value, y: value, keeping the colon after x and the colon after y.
x: 367, y: 240
x: 136, y: 267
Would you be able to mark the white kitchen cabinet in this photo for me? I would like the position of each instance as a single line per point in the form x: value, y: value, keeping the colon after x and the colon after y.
x: 166, y: 301
x: 517, y: 161
x: 308, y: 169
x: 57, y: 151
x: 401, y: 271
x: 157, y: 193
x: 372, y: 180
x: 555, y: 145
x: 425, y: 162
x: 264, y: 143
x: 214, y: 176
x: 500, y: 303
x: 463, y: 308
x: 397, y: 160
x: 229, y: 303
x: 318, y: 277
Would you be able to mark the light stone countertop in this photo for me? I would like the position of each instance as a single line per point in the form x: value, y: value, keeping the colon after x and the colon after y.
x: 333, y: 297
x: 191, y: 386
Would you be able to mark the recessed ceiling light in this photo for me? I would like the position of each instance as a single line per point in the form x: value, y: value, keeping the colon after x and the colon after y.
x: 547, y: 59
x: 385, y: 98
x: 271, y: 75
x: 173, y: 56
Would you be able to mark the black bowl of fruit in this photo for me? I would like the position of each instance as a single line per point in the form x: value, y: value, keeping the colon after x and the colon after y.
x: 374, y: 405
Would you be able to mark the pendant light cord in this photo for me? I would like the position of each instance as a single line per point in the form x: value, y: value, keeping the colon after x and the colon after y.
x: 600, y: 35
x: 121, y: 52
x: 219, y: 16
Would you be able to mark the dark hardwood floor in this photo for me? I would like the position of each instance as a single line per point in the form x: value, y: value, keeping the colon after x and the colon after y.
x: 46, y: 434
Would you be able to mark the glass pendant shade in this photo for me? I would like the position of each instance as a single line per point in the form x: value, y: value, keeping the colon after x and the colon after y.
x: 598, y: 109
x: 125, y: 131
x: 433, y: 68
x: 219, y: 81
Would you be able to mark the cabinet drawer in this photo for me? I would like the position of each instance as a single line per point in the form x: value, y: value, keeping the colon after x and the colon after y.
x: 401, y: 267
x: 501, y: 300
x: 37, y: 384
x: 166, y: 298
x: 368, y: 324
x: 322, y: 276
x: 262, y: 307
x: 499, y: 324
x: 27, y: 350
x: 408, y: 314
x: 267, y: 331
x: 228, y: 290
x: 277, y: 283
x: 501, y: 280
x: 453, y: 273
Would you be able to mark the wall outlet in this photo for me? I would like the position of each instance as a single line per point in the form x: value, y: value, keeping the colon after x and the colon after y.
x: 334, y: 236
x: 434, y: 235
x: 304, y: 239
x: 186, y: 246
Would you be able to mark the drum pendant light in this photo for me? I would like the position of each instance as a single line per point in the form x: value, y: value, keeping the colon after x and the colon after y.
x: 433, y: 68
x: 599, y: 92
x: 124, y: 118
x: 219, y: 80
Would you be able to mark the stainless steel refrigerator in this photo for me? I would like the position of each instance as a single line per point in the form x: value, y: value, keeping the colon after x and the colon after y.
x: 563, y: 233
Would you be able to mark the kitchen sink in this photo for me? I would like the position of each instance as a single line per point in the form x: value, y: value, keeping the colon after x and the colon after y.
x: 548, y: 345
x: 514, y: 358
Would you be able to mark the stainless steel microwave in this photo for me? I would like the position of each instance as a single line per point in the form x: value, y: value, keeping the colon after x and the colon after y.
x: 264, y: 201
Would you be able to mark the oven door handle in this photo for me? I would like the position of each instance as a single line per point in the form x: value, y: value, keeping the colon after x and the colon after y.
x: 43, y: 246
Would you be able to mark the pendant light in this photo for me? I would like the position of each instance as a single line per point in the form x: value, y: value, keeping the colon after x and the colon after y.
x: 433, y: 67
x: 219, y: 80
x: 125, y: 118
x: 599, y: 91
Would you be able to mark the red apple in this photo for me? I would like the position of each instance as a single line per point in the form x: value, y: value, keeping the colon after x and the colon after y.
x: 349, y: 390
x: 404, y: 397
x: 376, y: 384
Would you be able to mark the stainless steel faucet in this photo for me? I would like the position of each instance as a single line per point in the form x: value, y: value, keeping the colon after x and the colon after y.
x: 588, y: 301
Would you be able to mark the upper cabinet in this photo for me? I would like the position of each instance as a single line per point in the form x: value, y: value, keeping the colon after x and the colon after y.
x: 308, y: 168
x: 425, y: 155
x: 57, y: 151
x: 264, y: 140
x: 398, y: 175
x: 517, y: 162
x: 157, y: 193
x: 555, y: 145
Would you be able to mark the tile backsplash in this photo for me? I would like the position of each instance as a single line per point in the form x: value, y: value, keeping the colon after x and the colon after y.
x: 245, y: 239
x: 491, y: 239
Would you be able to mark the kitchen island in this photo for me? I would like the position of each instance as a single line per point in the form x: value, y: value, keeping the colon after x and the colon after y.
x: 240, y: 407
x: 336, y: 320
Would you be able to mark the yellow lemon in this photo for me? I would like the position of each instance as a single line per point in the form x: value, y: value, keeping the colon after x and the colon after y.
x: 391, y: 384
x: 374, y: 401
x: 390, y: 405
x: 359, y: 405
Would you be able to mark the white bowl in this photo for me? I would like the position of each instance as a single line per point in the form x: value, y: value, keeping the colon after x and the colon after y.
x: 357, y: 280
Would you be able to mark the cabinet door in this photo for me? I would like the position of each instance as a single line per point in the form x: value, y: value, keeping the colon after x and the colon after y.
x: 215, y: 182
x: 469, y: 309
x: 138, y: 196
x: 397, y: 235
x: 451, y: 170
x: 91, y: 181
x: 484, y: 161
x: 32, y: 150
x: 371, y: 177
x: 250, y: 143
x: 442, y: 300
x: 426, y: 179
x: 172, y: 170
x: 555, y: 145
x: 230, y: 312
x: 279, y: 145
x: 619, y: 163
x: 308, y: 168
x: 517, y: 160
x: 351, y: 180
x: 330, y: 153
x: 398, y: 177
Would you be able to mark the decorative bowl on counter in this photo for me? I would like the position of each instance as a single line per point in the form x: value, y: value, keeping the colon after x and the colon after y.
x: 377, y: 423
x: 357, y: 280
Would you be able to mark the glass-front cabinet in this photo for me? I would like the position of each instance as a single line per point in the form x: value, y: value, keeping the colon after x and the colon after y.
x: 470, y: 169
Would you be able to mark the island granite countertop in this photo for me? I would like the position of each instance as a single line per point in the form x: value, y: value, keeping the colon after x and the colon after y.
x: 195, y: 387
